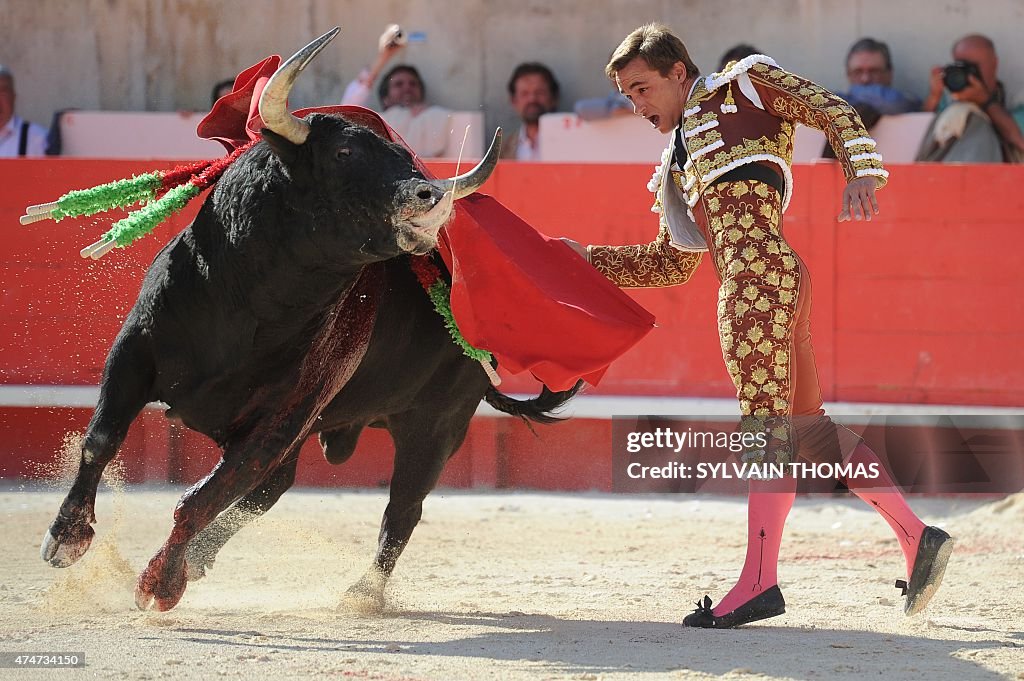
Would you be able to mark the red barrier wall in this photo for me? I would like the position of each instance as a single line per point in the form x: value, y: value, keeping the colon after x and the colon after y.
x: 497, y: 453
x: 920, y: 305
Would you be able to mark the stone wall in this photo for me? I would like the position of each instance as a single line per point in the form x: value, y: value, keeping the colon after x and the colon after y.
x: 164, y: 55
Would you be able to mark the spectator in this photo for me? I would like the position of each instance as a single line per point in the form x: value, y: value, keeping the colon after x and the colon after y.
x: 871, y: 94
x: 533, y: 92
x: 974, y: 124
x: 424, y: 127
x: 869, y: 72
x: 735, y: 53
x: 18, y: 137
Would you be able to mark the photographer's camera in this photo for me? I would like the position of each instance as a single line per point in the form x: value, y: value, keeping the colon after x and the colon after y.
x: 955, y: 76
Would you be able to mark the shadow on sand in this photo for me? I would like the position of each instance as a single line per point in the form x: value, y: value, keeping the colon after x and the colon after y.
x: 594, y: 646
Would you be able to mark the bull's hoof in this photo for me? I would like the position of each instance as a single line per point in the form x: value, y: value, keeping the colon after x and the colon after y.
x: 367, y: 595
x: 64, y: 543
x: 362, y: 603
x: 161, y: 585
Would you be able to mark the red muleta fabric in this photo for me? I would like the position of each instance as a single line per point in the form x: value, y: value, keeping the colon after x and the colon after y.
x: 525, y: 297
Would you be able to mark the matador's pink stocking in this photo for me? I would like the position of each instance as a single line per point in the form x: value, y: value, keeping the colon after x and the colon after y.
x: 768, y: 504
x: 882, y: 494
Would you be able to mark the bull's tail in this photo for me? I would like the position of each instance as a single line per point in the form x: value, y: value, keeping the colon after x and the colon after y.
x: 539, y: 409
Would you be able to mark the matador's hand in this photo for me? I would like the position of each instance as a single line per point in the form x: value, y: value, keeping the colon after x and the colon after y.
x: 580, y: 249
x: 859, y: 202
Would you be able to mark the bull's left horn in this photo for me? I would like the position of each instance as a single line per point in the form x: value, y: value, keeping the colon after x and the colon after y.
x: 467, y: 183
x: 274, y: 100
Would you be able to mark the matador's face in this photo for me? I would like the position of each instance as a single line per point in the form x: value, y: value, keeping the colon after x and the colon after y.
x: 658, y: 98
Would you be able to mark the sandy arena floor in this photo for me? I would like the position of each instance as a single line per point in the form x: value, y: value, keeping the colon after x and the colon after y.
x: 516, y: 586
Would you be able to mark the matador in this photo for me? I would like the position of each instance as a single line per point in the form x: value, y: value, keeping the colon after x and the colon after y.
x: 722, y: 187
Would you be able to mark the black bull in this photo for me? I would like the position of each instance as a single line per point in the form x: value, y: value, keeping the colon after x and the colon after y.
x: 292, y: 282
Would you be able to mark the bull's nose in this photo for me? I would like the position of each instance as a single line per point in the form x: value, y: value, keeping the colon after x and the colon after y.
x: 424, y: 191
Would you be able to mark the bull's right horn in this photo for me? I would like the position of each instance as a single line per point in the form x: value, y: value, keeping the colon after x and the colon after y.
x: 274, y: 100
x: 467, y: 183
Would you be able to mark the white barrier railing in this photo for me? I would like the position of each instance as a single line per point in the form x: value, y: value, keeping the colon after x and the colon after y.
x: 172, y: 135
x: 566, y: 138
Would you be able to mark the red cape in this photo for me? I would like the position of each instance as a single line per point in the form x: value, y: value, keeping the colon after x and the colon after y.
x: 523, y: 296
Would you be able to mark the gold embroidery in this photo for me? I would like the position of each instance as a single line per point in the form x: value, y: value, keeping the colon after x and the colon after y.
x: 652, y: 265
x: 704, y: 139
x: 695, y: 122
x: 793, y: 100
x: 757, y: 270
x: 799, y: 100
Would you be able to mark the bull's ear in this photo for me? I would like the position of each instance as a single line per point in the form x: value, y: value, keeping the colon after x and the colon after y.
x: 285, y: 149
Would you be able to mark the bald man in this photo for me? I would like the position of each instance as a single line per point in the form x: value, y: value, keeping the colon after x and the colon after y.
x: 974, y: 123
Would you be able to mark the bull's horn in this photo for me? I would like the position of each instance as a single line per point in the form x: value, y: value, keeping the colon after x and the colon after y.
x: 467, y: 183
x: 274, y: 100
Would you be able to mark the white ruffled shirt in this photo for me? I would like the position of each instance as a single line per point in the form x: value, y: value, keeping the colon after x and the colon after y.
x: 10, y: 134
x: 426, y: 133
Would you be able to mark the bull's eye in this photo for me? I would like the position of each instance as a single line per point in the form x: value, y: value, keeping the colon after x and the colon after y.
x: 342, y: 152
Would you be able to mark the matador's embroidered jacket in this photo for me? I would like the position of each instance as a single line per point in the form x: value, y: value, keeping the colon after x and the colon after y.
x: 745, y: 114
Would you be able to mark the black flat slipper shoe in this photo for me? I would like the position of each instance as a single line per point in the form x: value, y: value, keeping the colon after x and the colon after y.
x: 929, y: 566
x: 767, y: 604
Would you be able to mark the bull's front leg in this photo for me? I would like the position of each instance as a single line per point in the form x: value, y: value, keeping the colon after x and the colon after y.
x: 241, y: 468
x: 70, y: 534
x: 422, y: 447
x: 400, y: 518
x: 123, y: 394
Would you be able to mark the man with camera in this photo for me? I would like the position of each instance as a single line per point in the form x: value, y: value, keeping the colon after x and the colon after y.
x: 423, y: 126
x: 973, y: 122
